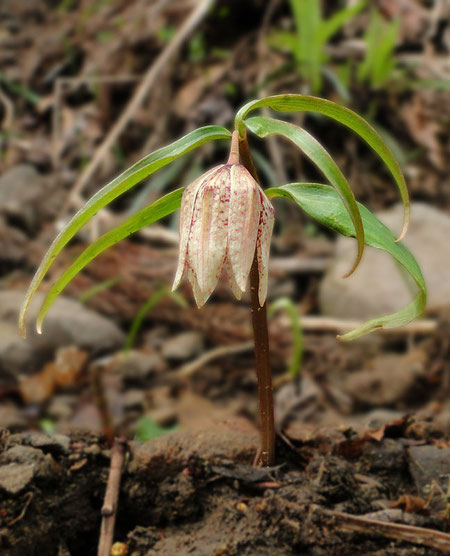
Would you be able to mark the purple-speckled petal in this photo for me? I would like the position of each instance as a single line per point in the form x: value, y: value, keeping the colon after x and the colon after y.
x: 266, y: 221
x: 245, y: 206
x: 187, y: 209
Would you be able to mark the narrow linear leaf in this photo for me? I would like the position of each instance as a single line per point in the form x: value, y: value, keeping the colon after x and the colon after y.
x: 345, y: 116
x: 323, y: 204
x: 145, y: 310
x: 264, y: 127
x: 159, y: 209
x: 114, y: 189
x: 334, y: 23
x: 297, y: 334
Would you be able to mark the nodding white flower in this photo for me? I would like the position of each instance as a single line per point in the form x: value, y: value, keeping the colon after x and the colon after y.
x: 225, y: 217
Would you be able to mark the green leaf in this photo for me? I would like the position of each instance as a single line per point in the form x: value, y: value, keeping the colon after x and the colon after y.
x: 112, y: 190
x: 322, y: 203
x: 148, y: 429
x: 159, y: 209
x: 295, y: 103
x: 264, y: 127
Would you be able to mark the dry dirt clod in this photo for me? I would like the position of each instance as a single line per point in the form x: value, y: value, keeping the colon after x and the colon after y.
x: 15, y: 477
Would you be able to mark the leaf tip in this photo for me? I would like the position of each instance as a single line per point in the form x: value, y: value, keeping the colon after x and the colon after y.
x: 21, y: 322
x: 405, y: 223
x: 357, y: 261
x: 22, y: 330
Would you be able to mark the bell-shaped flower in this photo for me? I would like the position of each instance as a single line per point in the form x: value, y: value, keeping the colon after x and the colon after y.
x: 225, y: 219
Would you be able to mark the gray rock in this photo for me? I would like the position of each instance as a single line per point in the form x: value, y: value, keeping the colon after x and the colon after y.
x: 377, y: 286
x: 18, y: 188
x: 133, y: 399
x: 136, y: 366
x: 430, y: 469
x: 43, y: 465
x: 387, y: 380
x: 61, y: 407
x: 11, y: 418
x: 183, y: 346
x: 54, y: 444
x: 15, y: 477
x: 68, y: 323
x: 14, y: 243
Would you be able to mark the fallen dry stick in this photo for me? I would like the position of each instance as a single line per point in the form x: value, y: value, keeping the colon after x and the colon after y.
x: 398, y: 531
x: 101, y: 402
x: 330, y: 324
x: 191, y: 368
x: 109, y: 508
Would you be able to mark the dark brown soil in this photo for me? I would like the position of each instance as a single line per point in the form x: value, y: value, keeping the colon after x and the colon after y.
x: 195, y: 492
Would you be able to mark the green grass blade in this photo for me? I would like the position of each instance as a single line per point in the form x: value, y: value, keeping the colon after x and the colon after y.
x: 336, y: 21
x: 98, y: 288
x: 323, y: 204
x: 345, y: 116
x: 297, y: 333
x: 114, y: 189
x: 309, y: 52
x: 264, y: 127
x: 151, y: 302
x: 164, y: 206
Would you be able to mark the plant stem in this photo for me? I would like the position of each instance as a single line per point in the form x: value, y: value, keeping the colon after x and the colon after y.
x: 266, y: 455
x: 261, y: 336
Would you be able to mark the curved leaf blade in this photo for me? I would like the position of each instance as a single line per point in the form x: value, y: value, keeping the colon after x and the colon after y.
x: 114, y: 189
x: 159, y: 209
x: 323, y: 204
x: 345, y: 116
x: 264, y: 127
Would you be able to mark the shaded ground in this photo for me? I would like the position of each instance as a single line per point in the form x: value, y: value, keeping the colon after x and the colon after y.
x: 194, y: 492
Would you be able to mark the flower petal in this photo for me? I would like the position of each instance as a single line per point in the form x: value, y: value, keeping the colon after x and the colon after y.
x: 186, y: 212
x: 266, y: 221
x: 245, y: 206
x: 233, y: 284
x: 199, y: 295
x: 208, y: 237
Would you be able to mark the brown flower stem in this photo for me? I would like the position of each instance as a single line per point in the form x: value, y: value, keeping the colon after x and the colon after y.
x: 266, y: 454
x: 263, y: 373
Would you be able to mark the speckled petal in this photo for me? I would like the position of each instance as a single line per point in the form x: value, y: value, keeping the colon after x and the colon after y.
x: 266, y: 221
x: 208, y: 236
x: 214, y: 231
x: 187, y: 208
x: 199, y: 296
x: 233, y: 284
x: 245, y: 206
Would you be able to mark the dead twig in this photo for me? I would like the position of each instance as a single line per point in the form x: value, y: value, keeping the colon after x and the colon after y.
x: 29, y: 498
x: 109, y: 508
x: 186, y: 371
x: 398, y: 531
x: 101, y: 402
x: 330, y: 324
x: 196, y: 16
